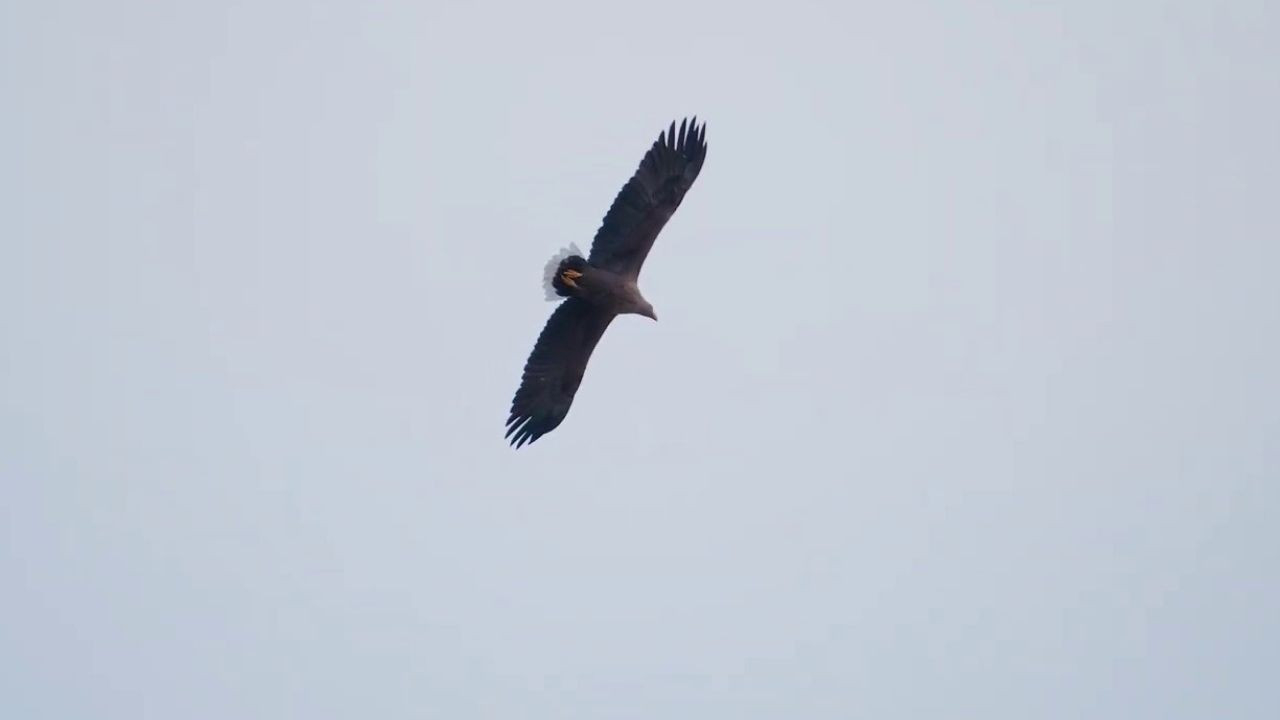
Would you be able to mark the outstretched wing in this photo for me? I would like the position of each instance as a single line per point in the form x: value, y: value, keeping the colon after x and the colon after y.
x: 649, y: 199
x: 554, y: 369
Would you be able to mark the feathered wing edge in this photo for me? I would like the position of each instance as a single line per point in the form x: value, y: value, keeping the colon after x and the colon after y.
x: 554, y: 370
x: 649, y: 198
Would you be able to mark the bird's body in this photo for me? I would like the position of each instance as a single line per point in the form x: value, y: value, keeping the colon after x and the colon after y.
x: 607, y: 291
x: 599, y: 288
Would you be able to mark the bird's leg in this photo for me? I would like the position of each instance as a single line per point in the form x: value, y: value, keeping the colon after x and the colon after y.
x: 568, y: 276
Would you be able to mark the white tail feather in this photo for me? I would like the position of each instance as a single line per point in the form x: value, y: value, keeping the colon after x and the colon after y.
x: 549, y: 273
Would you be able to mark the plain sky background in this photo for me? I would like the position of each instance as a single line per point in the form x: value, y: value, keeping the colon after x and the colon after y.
x: 964, y: 402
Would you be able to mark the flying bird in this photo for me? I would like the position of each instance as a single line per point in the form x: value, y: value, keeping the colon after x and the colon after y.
x: 602, y: 286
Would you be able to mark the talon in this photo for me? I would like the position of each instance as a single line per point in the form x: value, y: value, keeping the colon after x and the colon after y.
x: 568, y: 277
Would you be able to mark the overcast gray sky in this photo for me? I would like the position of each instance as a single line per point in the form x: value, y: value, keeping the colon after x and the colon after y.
x: 963, y: 403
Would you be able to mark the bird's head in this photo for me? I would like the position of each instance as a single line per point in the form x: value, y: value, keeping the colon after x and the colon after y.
x: 635, y: 303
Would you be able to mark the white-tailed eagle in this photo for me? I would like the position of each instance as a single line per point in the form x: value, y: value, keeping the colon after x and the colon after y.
x: 600, y: 287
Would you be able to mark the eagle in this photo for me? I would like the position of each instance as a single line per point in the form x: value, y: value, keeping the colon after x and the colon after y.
x: 598, y: 288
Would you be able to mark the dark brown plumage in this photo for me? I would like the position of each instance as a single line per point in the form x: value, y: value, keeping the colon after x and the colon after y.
x: 603, y: 286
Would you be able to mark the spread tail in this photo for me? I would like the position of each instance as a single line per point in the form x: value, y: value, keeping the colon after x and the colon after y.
x: 555, y: 281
